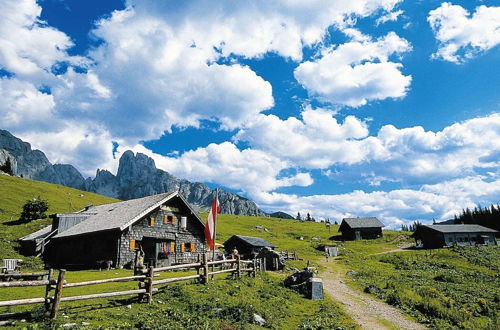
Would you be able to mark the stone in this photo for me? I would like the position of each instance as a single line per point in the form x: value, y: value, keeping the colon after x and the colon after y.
x: 69, y: 325
x: 351, y: 272
x: 259, y: 320
x: 316, y: 238
x: 315, y: 289
x: 85, y: 323
x: 128, y: 306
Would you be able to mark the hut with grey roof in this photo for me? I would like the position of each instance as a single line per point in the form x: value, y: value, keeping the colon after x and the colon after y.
x: 164, y: 227
x: 437, y: 236
x: 361, y: 228
x: 248, y: 246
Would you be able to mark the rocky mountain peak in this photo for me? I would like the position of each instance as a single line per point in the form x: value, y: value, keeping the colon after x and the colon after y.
x: 137, y: 176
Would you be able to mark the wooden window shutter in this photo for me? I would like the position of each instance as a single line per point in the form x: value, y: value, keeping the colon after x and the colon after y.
x: 165, y: 219
x: 132, y: 244
x: 183, y: 247
x: 174, y: 219
x: 172, y: 246
x: 193, y: 247
x: 151, y: 221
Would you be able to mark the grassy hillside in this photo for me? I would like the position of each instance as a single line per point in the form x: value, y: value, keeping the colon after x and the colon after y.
x: 14, y: 192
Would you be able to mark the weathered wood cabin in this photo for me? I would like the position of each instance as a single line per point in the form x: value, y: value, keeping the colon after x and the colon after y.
x: 247, y: 246
x: 164, y: 226
x: 361, y: 228
x: 437, y: 236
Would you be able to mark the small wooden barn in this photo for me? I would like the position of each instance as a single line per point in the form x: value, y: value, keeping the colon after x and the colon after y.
x: 33, y: 244
x: 361, y: 228
x: 163, y: 226
x: 247, y: 246
x: 437, y: 236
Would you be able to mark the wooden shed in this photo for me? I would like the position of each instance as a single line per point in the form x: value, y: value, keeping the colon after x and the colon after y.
x: 437, y: 236
x: 247, y: 246
x: 361, y: 228
x: 164, y: 226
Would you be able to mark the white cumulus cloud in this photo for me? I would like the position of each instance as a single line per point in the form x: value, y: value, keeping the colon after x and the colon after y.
x: 356, y: 72
x: 461, y: 35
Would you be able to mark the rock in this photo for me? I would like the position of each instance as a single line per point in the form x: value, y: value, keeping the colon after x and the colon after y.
x: 69, y: 176
x: 159, y: 302
x: 85, y: 323
x: 259, y: 227
x: 315, y: 238
x: 301, y: 238
x: 69, y: 325
x: 6, y: 323
x: 259, y: 320
x: 128, y: 306
x: 373, y: 289
x: 351, y: 273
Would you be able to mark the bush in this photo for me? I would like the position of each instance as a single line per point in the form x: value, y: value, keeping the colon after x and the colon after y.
x: 34, y: 209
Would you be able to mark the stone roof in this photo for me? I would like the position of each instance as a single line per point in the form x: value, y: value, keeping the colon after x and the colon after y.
x: 460, y: 228
x: 37, y: 234
x: 370, y: 222
x: 118, y: 216
x: 254, y: 241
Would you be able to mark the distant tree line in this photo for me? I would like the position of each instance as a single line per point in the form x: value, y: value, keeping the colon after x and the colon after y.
x: 411, y: 227
x: 487, y: 216
x: 308, y: 217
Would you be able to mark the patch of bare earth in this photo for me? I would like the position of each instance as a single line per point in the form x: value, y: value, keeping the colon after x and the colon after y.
x: 368, y: 312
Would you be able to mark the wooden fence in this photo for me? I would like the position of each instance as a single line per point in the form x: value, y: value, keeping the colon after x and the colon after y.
x: 289, y: 255
x: 145, y: 278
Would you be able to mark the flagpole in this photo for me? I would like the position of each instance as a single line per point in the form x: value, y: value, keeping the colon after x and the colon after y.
x: 215, y: 225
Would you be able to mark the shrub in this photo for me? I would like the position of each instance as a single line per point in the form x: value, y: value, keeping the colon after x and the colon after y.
x: 34, y: 209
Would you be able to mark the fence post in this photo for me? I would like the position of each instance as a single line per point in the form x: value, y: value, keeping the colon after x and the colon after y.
x: 149, y: 284
x: 198, y: 268
x: 204, y: 278
x: 254, y: 273
x: 48, y: 287
x: 238, y: 266
x: 58, y: 293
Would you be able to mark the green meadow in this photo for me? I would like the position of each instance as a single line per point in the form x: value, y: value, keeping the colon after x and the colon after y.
x: 444, y: 289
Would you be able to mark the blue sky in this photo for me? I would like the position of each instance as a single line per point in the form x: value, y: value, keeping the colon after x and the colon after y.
x: 383, y: 108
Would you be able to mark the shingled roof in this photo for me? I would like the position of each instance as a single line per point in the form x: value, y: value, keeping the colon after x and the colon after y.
x: 254, y: 241
x: 118, y: 216
x: 459, y: 228
x: 370, y: 222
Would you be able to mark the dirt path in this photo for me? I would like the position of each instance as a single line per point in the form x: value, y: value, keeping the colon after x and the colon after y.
x: 368, y: 312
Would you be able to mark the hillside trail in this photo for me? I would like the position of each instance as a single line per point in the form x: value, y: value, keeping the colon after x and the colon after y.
x: 366, y: 311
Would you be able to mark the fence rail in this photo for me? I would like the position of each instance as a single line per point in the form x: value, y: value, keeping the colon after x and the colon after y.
x: 145, y: 279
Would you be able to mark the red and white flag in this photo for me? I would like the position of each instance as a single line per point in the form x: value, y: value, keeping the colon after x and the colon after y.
x: 210, y: 225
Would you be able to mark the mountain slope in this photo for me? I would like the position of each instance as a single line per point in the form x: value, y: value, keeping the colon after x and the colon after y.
x: 137, y: 176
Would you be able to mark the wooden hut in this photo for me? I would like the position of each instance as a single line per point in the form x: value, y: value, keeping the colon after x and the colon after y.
x: 163, y: 226
x: 437, y: 236
x: 361, y: 228
x: 247, y: 246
